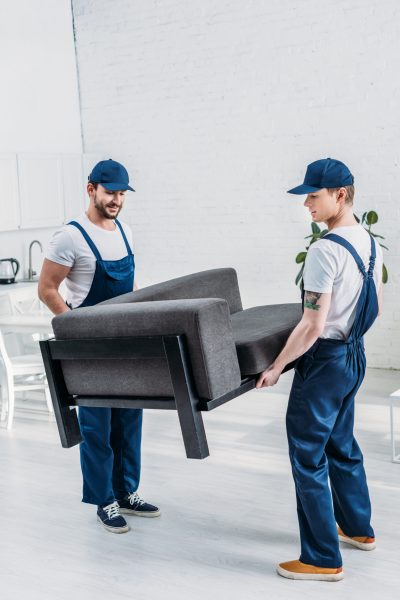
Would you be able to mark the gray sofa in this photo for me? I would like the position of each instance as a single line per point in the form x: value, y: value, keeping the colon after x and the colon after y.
x: 186, y: 344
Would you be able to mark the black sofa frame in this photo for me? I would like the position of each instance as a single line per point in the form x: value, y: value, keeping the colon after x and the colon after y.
x: 185, y: 400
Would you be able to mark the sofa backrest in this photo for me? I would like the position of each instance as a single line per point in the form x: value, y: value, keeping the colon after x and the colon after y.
x: 214, y: 283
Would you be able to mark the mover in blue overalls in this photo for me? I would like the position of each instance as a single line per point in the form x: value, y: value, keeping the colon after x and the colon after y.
x: 110, y: 451
x: 328, y: 374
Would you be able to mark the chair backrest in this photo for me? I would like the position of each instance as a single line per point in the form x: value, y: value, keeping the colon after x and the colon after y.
x: 6, y: 307
x: 24, y: 300
x: 16, y: 302
x: 4, y: 358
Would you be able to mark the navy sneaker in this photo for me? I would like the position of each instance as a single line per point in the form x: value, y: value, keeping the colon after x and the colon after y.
x: 132, y: 504
x: 111, y: 519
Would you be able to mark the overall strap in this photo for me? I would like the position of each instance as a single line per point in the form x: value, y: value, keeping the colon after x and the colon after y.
x: 339, y: 240
x: 87, y: 238
x: 124, y: 237
x: 372, y: 259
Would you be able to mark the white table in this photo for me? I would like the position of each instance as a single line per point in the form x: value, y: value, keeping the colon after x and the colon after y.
x: 394, y: 398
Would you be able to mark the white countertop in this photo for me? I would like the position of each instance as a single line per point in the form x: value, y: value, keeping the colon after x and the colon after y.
x: 6, y: 288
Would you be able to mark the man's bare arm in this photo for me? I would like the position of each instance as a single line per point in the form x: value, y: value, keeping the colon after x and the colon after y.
x: 311, y: 300
x: 316, y: 307
x: 51, y: 277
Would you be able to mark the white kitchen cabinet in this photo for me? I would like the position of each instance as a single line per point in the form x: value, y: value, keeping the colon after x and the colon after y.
x: 41, y: 190
x: 9, y: 200
x: 74, y: 191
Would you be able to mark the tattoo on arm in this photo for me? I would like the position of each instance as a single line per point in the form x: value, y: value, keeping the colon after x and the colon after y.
x: 311, y: 300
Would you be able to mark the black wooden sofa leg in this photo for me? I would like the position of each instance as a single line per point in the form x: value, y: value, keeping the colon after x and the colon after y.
x: 186, y: 399
x: 66, y: 418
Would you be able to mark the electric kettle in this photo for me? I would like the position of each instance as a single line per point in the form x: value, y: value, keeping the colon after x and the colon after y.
x: 9, y: 267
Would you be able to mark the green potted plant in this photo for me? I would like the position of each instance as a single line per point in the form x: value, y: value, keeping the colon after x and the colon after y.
x: 367, y: 221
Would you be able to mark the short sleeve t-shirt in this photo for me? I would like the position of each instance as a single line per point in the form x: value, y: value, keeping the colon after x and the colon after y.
x: 330, y: 268
x: 68, y: 247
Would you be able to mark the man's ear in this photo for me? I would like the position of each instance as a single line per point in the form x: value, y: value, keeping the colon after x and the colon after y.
x: 341, y: 194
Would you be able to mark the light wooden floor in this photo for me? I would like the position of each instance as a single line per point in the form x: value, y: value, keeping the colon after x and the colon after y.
x: 226, y: 520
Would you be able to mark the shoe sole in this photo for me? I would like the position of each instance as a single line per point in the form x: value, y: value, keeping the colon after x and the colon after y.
x: 137, y: 513
x: 114, y: 529
x: 359, y: 545
x: 315, y: 576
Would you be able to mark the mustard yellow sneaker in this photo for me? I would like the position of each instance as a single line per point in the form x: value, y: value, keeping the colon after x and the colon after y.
x: 362, y: 543
x: 295, y: 569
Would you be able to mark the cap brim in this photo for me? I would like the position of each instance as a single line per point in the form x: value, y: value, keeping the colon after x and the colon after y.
x: 116, y: 187
x: 303, y: 189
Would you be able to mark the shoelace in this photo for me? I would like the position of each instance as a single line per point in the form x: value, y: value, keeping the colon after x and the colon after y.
x: 112, y: 510
x: 134, y: 498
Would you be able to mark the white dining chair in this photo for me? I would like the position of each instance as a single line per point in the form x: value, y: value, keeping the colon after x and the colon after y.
x: 20, y: 374
x: 21, y: 364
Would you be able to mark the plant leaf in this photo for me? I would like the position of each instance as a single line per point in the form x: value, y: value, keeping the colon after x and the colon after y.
x: 356, y: 218
x: 385, y: 275
x: 299, y: 274
x: 372, y: 217
x: 315, y: 228
x: 301, y: 257
x: 383, y: 246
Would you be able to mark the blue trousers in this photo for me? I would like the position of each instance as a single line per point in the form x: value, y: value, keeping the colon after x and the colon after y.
x: 322, y: 446
x: 110, y: 452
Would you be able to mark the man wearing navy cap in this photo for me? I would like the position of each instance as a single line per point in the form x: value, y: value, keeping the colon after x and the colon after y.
x: 343, y: 271
x: 93, y: 255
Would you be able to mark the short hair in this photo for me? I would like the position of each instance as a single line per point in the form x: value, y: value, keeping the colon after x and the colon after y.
x: 350, y: 193
x: 94, y: 184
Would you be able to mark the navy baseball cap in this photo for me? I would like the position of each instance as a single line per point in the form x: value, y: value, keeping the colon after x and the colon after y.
x: 324, y: 173
x: 111, y: 175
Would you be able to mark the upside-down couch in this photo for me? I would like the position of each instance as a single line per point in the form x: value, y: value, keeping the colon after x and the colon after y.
x: 184, y: 344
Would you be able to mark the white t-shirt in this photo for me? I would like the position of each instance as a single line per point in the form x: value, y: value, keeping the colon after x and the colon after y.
x: 68, y: 247
x: 330, y: 267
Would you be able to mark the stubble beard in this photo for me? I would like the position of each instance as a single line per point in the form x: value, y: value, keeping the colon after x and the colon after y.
x: 102, y: 209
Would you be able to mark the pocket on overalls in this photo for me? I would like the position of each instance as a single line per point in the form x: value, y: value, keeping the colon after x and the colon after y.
x: 303, y: 366
x: 305, y: 362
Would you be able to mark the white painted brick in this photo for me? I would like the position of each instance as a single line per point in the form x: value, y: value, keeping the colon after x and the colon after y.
x: 217, y: 108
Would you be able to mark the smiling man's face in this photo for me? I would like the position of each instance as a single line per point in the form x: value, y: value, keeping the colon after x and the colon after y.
x: 324, y: 205
x: 107, y: 203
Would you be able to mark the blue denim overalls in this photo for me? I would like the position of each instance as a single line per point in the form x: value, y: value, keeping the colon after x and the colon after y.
x: 110, y: 451
x: 319, y: 423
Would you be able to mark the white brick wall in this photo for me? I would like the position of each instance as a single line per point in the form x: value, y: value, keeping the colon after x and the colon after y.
x: 217, y: 106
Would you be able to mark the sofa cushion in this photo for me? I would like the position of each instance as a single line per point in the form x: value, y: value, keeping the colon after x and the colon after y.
x: 261, y: 332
